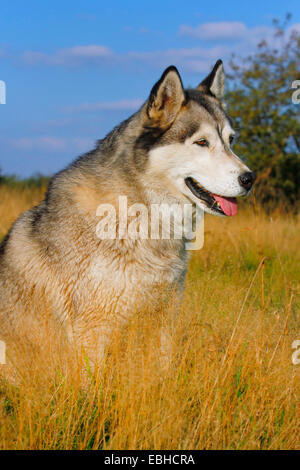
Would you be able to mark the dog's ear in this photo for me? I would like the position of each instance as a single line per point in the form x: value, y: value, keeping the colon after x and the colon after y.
x: 213, y: 84
x: 166, y: 98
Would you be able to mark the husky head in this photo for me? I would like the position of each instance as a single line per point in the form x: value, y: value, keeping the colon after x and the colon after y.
x: 188, y: 136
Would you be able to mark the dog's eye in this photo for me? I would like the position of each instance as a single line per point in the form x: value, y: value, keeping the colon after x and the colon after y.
x: 202, y: 142
x: 231, y: 139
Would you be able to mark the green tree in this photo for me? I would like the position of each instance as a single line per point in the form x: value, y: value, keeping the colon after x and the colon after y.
x: 267, y: 120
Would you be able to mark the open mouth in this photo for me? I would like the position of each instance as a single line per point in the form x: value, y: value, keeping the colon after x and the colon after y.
x: 219, y: 204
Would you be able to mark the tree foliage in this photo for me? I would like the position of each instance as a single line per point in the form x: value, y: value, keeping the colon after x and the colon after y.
x: 267, y: 120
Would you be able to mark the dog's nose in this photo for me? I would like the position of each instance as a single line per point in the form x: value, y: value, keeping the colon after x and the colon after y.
x: 247, y: 179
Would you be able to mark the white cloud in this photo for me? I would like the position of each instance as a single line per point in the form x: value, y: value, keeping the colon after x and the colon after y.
x: 225, y: 37
x: 192, y: 59
x: 236, y: 33
x: 195, y: 59
x: 235, y: 37
x: 120, y: 105
x: 220, y: 30
x: 28, y: 143
x: 70, y: 56
x: 55, y: 144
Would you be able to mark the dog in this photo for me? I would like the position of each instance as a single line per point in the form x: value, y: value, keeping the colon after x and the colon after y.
x: 176, y: 149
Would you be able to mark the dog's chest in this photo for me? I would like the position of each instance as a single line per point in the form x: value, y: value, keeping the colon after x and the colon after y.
x: 147, y: 265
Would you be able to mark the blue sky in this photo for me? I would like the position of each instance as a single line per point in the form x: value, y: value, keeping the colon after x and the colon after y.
x: 74, y: 69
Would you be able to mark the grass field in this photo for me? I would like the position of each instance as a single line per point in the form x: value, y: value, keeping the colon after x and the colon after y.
x: 231, y: 383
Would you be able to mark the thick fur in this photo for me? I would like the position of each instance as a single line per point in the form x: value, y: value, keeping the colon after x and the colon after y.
x: 52, y: 263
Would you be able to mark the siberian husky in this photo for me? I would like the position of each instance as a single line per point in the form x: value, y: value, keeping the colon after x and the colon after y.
x: 176, y: 149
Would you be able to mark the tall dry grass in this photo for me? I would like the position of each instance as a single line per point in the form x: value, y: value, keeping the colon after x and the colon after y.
x: 14, y: 201
x: 231, y: 383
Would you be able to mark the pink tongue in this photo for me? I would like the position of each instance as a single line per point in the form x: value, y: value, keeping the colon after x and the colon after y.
x: 228, y: 204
